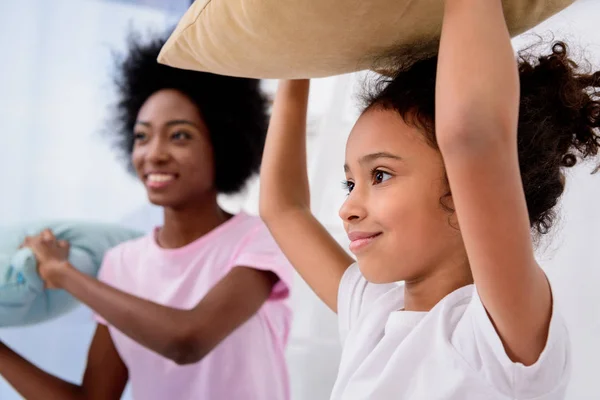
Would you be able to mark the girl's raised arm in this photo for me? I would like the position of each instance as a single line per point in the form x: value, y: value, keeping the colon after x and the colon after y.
x: 285, y: 197
x: 477, y: 104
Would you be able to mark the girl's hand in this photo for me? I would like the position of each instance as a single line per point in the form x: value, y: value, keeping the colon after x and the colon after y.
x: 51, y: 255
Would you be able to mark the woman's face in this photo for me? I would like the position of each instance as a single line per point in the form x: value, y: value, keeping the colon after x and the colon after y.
x: 172, y: 153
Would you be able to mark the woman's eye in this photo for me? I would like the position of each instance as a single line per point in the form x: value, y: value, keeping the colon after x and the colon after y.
x: 348, y: 186
x: 181, y: 135
x: 138, y: 136
x: 380, y: 176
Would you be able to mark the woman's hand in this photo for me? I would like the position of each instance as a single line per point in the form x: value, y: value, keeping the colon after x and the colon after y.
x: 51, y: 255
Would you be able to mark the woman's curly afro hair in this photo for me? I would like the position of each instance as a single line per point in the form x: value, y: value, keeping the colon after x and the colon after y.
x: 559, y: 119
x: 234, y: 110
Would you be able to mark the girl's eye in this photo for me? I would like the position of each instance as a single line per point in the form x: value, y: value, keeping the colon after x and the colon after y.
x: 139, y: 136
x: 380, y: 176
x: 181, y: 135
x: 348, y: 186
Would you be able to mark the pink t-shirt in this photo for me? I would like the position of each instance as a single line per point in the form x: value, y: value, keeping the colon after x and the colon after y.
x: 247, y: 365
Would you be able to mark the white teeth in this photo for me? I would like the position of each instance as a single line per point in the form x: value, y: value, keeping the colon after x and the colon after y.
x: 160, y: 177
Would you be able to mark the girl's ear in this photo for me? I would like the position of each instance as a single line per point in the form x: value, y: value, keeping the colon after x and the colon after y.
x: 447, y: 203
x: 453, y: 218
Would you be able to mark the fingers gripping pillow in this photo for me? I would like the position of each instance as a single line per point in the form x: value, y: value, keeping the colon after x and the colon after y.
x: 285, y: 39
x: 23, y: 298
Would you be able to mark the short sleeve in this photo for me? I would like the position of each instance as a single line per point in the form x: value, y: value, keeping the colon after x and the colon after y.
x: 478, y: 343
x: 356, y: 294
x: 260, y: 251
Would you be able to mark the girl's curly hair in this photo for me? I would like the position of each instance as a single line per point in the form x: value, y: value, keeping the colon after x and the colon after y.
x: 559, y: 119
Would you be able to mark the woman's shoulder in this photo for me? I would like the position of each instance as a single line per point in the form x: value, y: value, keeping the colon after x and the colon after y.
x: 243, y: 226
x: 132, y: 246
x: 248, y: 220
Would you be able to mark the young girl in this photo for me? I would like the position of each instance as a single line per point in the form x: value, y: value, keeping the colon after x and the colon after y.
x: 197, y: 309
x: 444, y: 195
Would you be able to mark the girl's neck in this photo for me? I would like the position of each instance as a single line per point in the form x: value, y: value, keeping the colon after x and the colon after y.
x: 424, y: 293
x: 183, y: 225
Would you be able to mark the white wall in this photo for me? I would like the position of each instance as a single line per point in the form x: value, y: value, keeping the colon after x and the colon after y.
x: 572, y: 258
x: 53, y: 100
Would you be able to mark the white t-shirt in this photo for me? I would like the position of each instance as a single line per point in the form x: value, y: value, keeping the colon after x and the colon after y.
x: 449, y: 353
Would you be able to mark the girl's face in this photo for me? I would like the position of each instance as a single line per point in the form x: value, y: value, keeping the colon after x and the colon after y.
x: 172, y: 153
x: 393, y: 216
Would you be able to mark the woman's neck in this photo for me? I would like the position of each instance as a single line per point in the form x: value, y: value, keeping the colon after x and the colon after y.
x: 183, y: 225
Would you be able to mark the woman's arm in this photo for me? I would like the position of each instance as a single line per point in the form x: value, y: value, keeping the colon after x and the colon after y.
x: 477, y: 103
x: 184, y: 336
x: 105, y: 376
x: 285, y: 197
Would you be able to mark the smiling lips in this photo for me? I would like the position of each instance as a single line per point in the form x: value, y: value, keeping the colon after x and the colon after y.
x: 360, y: 240
x: 160, y: 180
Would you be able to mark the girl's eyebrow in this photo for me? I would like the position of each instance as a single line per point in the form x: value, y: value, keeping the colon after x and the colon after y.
x: 369, y: 158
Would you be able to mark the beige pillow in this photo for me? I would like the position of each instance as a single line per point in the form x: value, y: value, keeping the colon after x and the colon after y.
x: 280, y: 39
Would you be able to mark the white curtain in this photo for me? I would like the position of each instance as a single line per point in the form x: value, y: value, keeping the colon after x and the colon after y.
x: 55, y: 90
x: 54, y: 83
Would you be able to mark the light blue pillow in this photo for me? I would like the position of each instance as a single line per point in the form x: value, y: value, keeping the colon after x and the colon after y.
x: 23, y: 298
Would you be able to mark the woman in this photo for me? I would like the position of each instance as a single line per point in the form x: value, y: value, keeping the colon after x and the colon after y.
x: 196, y: 309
